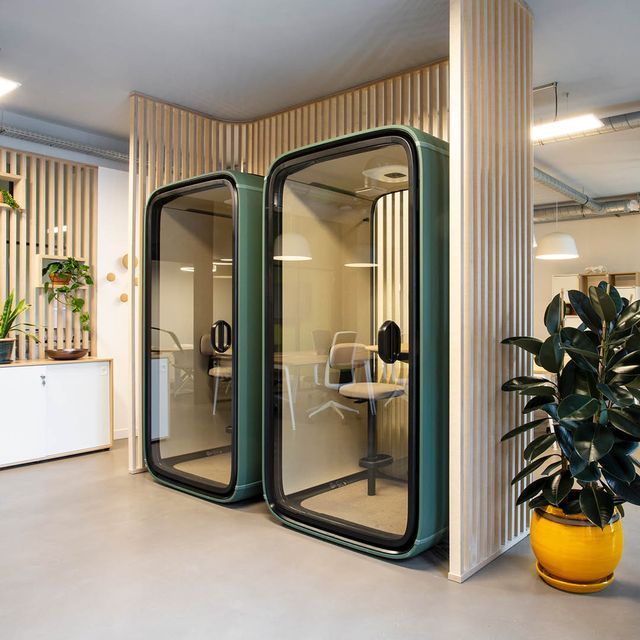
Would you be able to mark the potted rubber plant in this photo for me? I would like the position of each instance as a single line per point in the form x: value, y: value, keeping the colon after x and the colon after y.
x: 66, y: 278
x: 584, y: 458
x: 10, y: 323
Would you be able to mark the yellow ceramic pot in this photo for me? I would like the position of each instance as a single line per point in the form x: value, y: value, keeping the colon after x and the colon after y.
x: 573, y: 554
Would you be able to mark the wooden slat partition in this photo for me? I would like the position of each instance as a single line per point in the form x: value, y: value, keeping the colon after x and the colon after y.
x: 490, y: 270
x: 168, y: 143
x: 52, y: 222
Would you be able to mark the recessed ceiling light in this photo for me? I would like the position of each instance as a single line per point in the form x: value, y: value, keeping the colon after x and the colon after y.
x: 566, y: 127
x: 6, y: 85
x: 387, y: 173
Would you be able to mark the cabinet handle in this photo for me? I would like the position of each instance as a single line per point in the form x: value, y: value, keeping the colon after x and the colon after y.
x: 44, y: 380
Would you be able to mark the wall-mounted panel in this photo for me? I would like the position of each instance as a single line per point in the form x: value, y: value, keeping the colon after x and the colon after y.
x: 56, y: 219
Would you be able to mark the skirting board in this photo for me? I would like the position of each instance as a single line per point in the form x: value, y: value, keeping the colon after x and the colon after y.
x: 121, y: 434
x: 465, y: 576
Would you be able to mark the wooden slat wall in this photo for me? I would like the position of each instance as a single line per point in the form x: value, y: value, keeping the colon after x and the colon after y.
x: 491, y: 274
x: 52, y: 193
x: 168, y: 143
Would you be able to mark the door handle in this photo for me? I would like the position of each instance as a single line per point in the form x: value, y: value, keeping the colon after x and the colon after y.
x: 389, y: 341
x: 221, y: 336
x: 43, y: 380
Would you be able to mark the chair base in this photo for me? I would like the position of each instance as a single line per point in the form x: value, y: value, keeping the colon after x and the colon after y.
x: 331, y: 404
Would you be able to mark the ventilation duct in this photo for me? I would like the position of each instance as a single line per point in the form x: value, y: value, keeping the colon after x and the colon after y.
x: 60, y: 143
x: 614, y: 207
x: 567, y: 191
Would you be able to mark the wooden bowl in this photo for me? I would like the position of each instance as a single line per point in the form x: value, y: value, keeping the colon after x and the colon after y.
x: 66, y: 354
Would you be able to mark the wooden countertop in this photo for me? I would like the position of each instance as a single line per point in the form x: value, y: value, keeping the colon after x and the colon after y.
x: 49, y: 361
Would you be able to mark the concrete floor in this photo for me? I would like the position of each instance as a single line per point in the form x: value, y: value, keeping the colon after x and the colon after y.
x: 88, y: 551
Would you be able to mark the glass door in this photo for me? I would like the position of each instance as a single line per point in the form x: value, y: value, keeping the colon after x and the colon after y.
x: 190, y: 336
x: 340, y: 268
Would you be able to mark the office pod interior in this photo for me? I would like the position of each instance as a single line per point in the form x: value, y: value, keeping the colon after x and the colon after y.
x: 201, y: 342
x: 346, y: 416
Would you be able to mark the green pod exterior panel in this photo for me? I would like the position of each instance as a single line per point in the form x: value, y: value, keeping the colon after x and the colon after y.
x: 202, y: 335
x: 355, y: 361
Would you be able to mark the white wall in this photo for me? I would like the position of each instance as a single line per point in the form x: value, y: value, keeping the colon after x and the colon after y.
x: 113, y: 315
x: 612, y: 242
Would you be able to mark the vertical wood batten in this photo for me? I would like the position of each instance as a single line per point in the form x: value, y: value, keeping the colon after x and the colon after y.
x: 490, y: 270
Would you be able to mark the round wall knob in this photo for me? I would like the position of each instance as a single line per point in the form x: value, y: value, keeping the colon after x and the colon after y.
x: 111, y: 277
x: 125, y: 261
x: 124, y: 297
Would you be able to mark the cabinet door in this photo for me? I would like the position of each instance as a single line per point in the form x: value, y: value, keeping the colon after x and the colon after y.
x: 78, y: 411
x: 22, y: 436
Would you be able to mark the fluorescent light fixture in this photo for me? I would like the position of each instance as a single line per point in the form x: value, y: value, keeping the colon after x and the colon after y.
x: 187, y: 269
x: 7, y: 86
x: 223, y: 277
x: 557, y: 246
x: 222, y: 264
x: 360, y: 265
x: 226, y: 259
x: 566, y: 127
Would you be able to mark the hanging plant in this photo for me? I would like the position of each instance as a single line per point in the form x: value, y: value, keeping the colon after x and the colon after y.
x: 66, y: 278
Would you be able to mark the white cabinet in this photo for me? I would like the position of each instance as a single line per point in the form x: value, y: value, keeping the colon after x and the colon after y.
x: 54, y: 409
x: 565, y: 283
x: 22, y: 402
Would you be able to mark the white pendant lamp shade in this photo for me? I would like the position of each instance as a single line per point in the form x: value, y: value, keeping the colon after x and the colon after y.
x: 291, y: 247
x: 557, y: 246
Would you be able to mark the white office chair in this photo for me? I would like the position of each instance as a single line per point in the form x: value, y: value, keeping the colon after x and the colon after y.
x: 220, y: 373
x: 340, y: 338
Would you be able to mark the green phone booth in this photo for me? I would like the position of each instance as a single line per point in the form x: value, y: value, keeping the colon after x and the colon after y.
x: 202, y: 275
x: 356, y: 340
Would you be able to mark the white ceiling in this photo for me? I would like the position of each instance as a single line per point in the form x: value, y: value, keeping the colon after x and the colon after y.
x: 592, y: 49
x: 78, y: 61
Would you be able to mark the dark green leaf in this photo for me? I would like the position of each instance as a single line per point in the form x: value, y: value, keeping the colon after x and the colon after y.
x: 538, y: 402
x: 602, y: 304
x: 629, y: 317
x: 565, y: 440
x: 522, y: 382
x: 582, y: 306
x: 614, y: 294
x: 628, y: 365
x: 538, y: 502
x: 577, y: 407
x: 539, y: 390
x: 532, y: 345
x: 618, y: 395
x: 592, y: 441
x: 552, y: 467
x: 626, y: 421
x: 597, y: 505
x: 538, y: 445
x: 522, y: 428
x: 530, y: 468
x: 558, y: 487
x: 551, y: 354
x: 531, y: 490
x: 583, y: 471
x: 629, y: 492
x: 552, y: 315
x: 619, y: 464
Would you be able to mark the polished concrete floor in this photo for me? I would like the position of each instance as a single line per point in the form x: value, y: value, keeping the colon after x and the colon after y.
x: 88, y: 551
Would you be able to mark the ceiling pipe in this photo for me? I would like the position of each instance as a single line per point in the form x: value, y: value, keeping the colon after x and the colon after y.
x: 620, y: 122
x: 612, y: 207
x: 567, y: 191
x: 60, y: 143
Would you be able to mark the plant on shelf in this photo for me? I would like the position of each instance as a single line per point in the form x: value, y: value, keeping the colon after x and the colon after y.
x: 9, y: 323
x: 585, y: 461
x: 66, y: 279
x: 8, y: 199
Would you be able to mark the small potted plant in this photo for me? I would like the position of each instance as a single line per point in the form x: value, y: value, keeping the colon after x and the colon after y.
x: 66, y: 279
x: 9, y: 323
x: 8, y: 199
x: 585, y: 461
